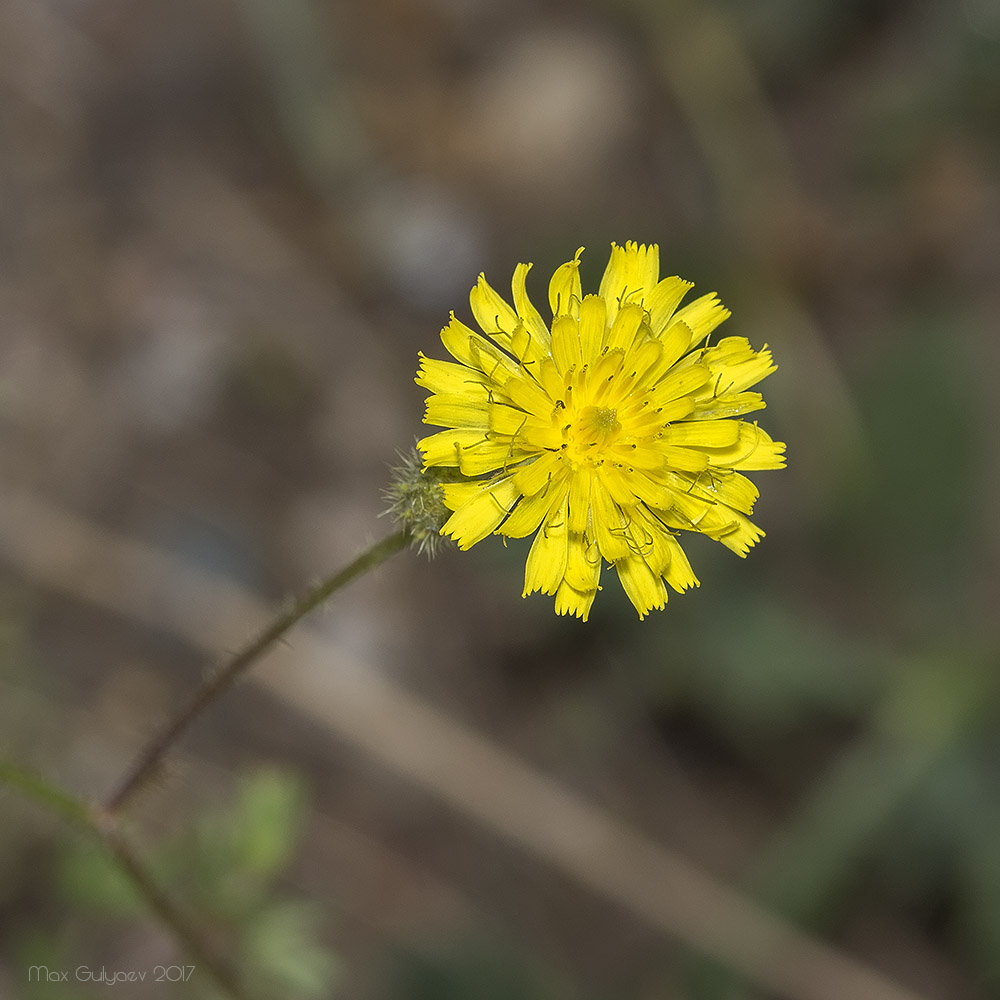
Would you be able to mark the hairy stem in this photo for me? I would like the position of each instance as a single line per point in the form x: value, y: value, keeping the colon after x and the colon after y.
x: 228, y: 672
x: 165, y: 909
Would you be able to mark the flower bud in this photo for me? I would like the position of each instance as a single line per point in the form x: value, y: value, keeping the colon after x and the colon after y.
x: 416, y: 501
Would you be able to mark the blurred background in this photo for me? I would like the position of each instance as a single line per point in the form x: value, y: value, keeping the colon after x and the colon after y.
x: 226, y: 229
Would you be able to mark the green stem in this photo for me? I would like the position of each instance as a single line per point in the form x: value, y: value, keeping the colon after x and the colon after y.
x: 166, y: 910
x: 224, y: 677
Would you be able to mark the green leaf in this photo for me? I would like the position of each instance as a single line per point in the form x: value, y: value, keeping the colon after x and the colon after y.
x: 281, y: 946
x: 268, y: 820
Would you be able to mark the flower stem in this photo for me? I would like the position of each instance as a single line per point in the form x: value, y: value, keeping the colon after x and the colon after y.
x: 223, y: 678
x: 164, y: 908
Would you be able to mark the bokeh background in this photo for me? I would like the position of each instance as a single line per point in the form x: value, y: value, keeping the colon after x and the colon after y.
x: 226, y: 229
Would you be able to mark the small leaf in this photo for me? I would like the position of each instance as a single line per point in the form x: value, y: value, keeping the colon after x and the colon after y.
x: 282, y: 947
x: 268, y: 820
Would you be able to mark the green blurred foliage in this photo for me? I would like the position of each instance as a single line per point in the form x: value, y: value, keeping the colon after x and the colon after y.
x: 223, y: 870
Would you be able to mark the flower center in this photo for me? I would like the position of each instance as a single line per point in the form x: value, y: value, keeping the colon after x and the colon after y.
x: 594, y: 429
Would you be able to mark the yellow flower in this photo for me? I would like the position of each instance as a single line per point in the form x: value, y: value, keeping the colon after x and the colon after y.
x: 605, y: 433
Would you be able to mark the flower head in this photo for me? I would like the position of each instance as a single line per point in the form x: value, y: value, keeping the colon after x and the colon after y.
x: 605, y: 433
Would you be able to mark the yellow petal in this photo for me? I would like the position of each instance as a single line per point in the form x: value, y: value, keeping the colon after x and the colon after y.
x: 565, y: 290
x: 457, y: 494
x: 488, y: 456
x: 530, y: 316
x: 676, y: 341
x: 474, y: 350
x: 566, y: 343
x: 490, y: 360
x: 679, y: 382
x: 644, y: 588
x: 456, y: 411
x: 646, y: 359
x: 702, y: 316
x: 574, y: 602
x: 546, y: 565
x: 479, y: 515
x: 548, y: 377
x: 445, y: 447
x: 625, y: 329
x: 524, y: 347
x: 583, y: 563
x: 529, y: 396
x: 735, y: 366
x: 493, y: 314
x: 741, y: 535
x: 504, y: 419
x: 650, y: 489
x: 531, y: 511
x: 470, y: 450
x: 633, y: 456
x: 685, y: 459
x: 732, y: 489
x: 663, y: 300
x: 580, y: 485
x: 530, y: 432
x: 604, y: 375
x: 630, y: 276
x: 535, y: 475
x: 734, y: 404
x: 678, y: 573
x: 650, y: 539
x: 716, y: 520
x: 702, y: 433
x: 609, y: 523
x: 644, y: 420
x: 593, y: 326
x: 582, y: 578
x: 753, y: 449
x: 448, y: 377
